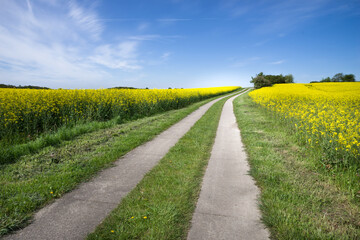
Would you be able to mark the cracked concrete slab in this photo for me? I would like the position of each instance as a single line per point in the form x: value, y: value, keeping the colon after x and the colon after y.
x: 227, y: 206
x: 77, y: 213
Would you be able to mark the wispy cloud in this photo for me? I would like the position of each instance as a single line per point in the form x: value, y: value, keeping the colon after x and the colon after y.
x: 165, y: 56
x: 121, y: 56
x: 29, y: 7
x: 152, y: 37
x: 279, y: 16
x: 157, y: 59
x: 244, y: 62
x: 143, y: 26
x: 86, y: 20
x: 60, y: 50
x: 173, y: 19
x: 277, y: 62
x: 147, y: 37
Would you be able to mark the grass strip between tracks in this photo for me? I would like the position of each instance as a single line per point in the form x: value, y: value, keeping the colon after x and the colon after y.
x: 300, y: 199
x: 162, y: 204
x: 36, y: 179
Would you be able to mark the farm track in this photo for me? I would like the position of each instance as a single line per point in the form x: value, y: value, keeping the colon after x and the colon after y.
x: 227, y: 206
x: 78, y: 213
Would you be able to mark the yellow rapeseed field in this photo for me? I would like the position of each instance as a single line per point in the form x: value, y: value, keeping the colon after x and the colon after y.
x: 28, y: 111
x: 324, y: 114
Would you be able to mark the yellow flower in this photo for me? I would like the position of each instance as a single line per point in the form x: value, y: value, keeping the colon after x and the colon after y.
x: 321, y: 112
x: 20, y: 108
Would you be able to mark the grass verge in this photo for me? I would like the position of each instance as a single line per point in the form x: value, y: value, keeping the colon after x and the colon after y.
x: 36, y: 179
x: 162, y: 204
x: 300, y: 199
x: 10, y: 154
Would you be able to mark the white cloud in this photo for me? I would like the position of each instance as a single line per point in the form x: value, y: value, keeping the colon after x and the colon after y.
x: 29, y: 7
x: 173, y: 19
x: 170, y: 21
x: 153, y: 37
x: 121, y: 56
x: 86, y: 20
x: 278, y: 62
x: 35, y: 45
x: 245, y: 62
x: 143, y: 26
x: 34, y: 61
x: 165, y: 56
x: 144, y: 37
x: 53, y: 44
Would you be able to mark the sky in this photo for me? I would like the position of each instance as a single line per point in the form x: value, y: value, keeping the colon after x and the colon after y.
x: 175, y: 43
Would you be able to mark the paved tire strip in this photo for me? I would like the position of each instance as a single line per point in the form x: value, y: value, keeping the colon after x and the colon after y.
x: 227, y: 206
x: 77, y: 213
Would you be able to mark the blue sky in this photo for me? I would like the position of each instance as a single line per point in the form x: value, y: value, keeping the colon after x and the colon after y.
x: 175, y: 43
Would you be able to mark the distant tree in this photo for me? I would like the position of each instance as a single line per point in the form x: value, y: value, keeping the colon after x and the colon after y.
x: 338, y: 77
x: 314, y: 82
x: 262, y: 80
x: 6, y: 86
x: 289, y: 78
x: 122, y: 88
x: 328, y: 79
x: 349, y: 78
x: 22, y: 87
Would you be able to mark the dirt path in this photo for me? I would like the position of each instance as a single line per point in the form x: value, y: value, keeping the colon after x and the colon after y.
x: 77, y: 213
x: 227, y: 206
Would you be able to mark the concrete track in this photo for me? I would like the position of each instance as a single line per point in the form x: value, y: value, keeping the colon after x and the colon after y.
x: 78, y: 213
x: 227, y: 206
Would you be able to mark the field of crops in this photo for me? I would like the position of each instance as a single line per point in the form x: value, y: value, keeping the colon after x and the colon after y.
x: 325, y: 115
x: 28, y: 112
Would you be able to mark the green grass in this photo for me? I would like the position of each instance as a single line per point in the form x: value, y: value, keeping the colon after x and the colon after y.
x: 28, y: 114
x: 36, y: 179
x: 11, y: 153
x: 162, y: 204
x: 13, y: 145
x: 300, y: 197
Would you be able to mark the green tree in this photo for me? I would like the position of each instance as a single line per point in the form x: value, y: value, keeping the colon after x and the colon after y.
x: 349, y: 78
x: 338, y: 77
x: 289, y: 78
x: 328, y: 79
x: 260, y: 81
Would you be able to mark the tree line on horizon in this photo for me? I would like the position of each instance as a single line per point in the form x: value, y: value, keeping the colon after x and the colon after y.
x: 21, y: 87
x: 37, y: 87
x: 339, y: 77
x: 262, y: 80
